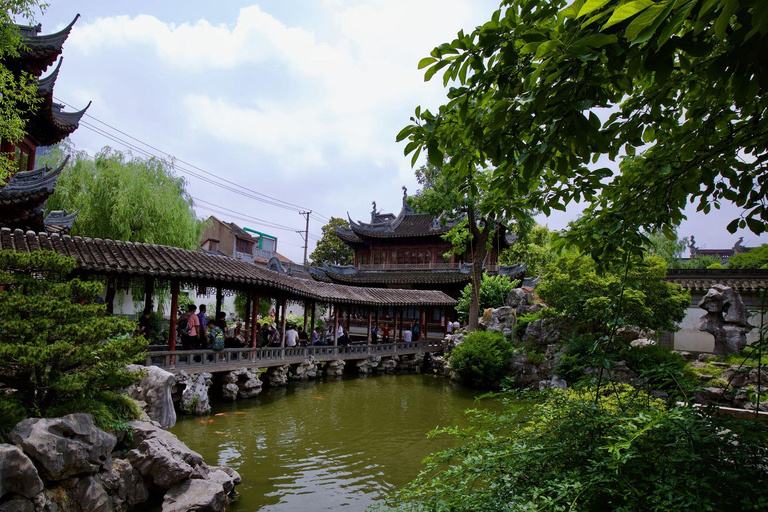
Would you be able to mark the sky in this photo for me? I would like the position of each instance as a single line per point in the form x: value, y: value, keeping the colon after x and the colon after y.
x: 296, y: 104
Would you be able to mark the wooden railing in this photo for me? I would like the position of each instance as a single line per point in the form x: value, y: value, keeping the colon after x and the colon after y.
x: 233, y: 358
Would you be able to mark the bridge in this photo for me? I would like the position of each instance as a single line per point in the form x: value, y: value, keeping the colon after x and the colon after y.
x: 197, y: 361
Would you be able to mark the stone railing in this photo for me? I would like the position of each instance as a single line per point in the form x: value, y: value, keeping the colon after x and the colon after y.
x: 232, y: 358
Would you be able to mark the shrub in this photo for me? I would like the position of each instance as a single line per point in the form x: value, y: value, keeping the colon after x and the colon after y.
x: 659, y: 368
x: 578, y: 451
x: 11, y: 412
x: 111, y: 411
x: 482, y: 359
x: 493, y: 293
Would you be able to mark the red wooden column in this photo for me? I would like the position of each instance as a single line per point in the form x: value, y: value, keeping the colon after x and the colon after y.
x: 248, y: 310
x: 394, y: 328
x: 370, y: 324
x: 254, y: 316
x: 402, y: 319
x: 283, y: 318
x: 335, y: 325
x: 313, y: 318
x: 347, y: 320
x: 306, y: 314
x: 423, y: 328
x: 174, y: 312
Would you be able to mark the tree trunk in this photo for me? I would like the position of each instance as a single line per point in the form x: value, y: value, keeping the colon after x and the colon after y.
x: 479, y: 248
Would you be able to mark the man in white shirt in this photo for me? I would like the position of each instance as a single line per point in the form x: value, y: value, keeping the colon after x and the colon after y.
x: 407, y: 335
x: 290, y: 337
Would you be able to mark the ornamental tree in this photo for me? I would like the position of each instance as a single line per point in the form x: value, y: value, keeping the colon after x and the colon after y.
x: 330, y: 248
x: 122, y: 197
x: 757, y: 257
x: 56, y: 344
x: 672, y: 89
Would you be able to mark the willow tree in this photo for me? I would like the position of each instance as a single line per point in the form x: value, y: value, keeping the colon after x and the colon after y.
x: 122, y: 197
x: 675, y: 89
x: 18, y: 91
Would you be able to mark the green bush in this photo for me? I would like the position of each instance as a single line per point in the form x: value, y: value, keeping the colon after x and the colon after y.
x: 493, y: 293
x: 580, y: 353
x: 111, y: 411
x: 577, y: 451
x: 659, y: 368
x: 482, y: 359
x: 11, y: 412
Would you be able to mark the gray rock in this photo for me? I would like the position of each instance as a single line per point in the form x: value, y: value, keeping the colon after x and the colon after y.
x: 641, y: 342
x: 155, y: 391
x: 366, y: 366
x: 89, y: 494
x: 727, y: 319
x: 628, y: 333
x: 194, y: 398
x: 334, y: 368
x: 278, y: 375
x: 225, y: 476
x: 554, y: 383
x: 17, y: 504
x: 737, y: 378
x: 18, y: 474
x: 545, y: 331
x: 195, y: 495
x: 501, y: 320
x: 388, y: 364
x: 159, y: 456
x: 63, y: 447
x: 305, y: 370
x: 124, y: 484
x: 706, y: 357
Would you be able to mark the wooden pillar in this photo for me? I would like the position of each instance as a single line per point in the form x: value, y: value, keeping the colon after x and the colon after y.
x: 248, y: 310
x: 283, y: 319
x: 149, y: 291
x: 423, y: 327
x: 370, y: 324
x: 219, y: 298
x: 254, y: 316
x: 377, y: 317
x: 174, y: 312
x: 394, y: 328
x: 402, y: 319
x: 444, y: 316
x: 347, y: 320
x: 110, y: 296
x: 313, y: 318
x: 335, y: 326
x: 306, y: 314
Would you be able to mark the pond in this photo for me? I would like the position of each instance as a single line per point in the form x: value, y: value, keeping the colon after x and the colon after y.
x: 329, y: 444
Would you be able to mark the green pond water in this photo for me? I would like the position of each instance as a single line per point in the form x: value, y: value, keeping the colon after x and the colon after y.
x: 328, y: 444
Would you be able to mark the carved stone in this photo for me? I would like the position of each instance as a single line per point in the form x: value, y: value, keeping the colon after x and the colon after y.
x: 155, y: 391
x: 727, y: 319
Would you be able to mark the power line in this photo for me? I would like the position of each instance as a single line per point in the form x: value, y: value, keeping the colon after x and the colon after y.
x: 252, y: 194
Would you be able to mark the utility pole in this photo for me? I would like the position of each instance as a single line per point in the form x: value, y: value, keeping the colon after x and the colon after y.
x: 306, y: 236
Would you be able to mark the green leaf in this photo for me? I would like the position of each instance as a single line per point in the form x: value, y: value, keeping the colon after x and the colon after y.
x: 724, y: 20
x: 643, y: 27
x: 596, y: 40
x: 546, y: 48
x: 591, y: 6
x: 627, y: 10
x: 426, y: 61
x: 649, y: 135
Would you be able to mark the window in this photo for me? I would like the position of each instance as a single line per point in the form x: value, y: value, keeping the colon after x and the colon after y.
x: 363, y: 258
x: 213, y: 245
x: 244, y: 246
x: 379, y: 257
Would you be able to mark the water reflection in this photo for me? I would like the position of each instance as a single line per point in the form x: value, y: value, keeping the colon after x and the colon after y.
x: 327, y: 445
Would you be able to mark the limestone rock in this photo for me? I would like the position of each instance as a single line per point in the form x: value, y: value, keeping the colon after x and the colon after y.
x: 642, y: 342
x: 726, y: 319
x: 335, y: 368
x: 737, y: 378
x: 227, y: 477
x: 619, y: 372
x: 278, y: 375
x: 451, y: 341
x: 554, y: 383
x: 307, y: 369
x: 124, y: 484
x: 155, y: 391
x: 89, y: 494
x: 18, y: 474
x: 366, y: 366
x: 194, y: 398
x: 388, y: 364
x: 17, y: 504
x: 241, y: 383
x: 545, y: 331
x: 195, y: 495
x: 62, y: 447
x: 501, y: 320
x: 159, y: 456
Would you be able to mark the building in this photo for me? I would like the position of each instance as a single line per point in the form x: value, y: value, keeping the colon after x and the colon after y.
x: 407, y: 251
x: 22, y: 199
x: 722, y: 254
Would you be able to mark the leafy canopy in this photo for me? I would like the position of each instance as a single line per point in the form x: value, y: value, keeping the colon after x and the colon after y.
x: 589, y: 300
x: 481, y: 360
x: 673, y: 89
x: 756, y: 257
x: 330, y: 248
x: 121, y: 197
x: 18, y: 91
x: 56, y: 344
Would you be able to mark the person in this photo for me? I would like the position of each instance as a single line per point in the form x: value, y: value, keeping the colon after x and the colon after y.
x: 416, y: 332
x: 374, y: 333
x: 144, y: 327
x: 188, y: 328
x: 385, y: 334
x: 266, y: 335
x: 303, y: 337
x: 316, y: 340
x: 449, y: 328
x: 456, y: 326
x: 291, y: 336
x: 340, y: 331
x: 203, y: 336
x: 407, y: 335
x: 274, y: 336
x: 216, y: 339
x: 329, y: 335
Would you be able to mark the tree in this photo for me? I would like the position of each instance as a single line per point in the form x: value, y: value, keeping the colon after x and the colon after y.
x: 547, y: 87
x: 121, y: 197
x: 589, y: 300
x: 330, y: 248
x: 533, y: 247
x: 757, y: 257
x: 460, y: 194
x: 58, y: 346
x: 18, y: 91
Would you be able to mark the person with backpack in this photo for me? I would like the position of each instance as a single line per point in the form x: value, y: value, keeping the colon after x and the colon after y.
x: 188, y: 328
x: 216, y: 339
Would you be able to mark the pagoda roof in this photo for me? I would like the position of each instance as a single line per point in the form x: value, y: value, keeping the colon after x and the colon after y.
x: 22, y: 199
x: 50, y: 124
x: 59, y: 221
x: 138, y: 260
x: 39, y: 51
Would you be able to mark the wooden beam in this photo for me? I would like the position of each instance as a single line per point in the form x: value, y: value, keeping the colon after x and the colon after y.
x: 254, y: 316
x: 174, y: 313
x: 313, y: 317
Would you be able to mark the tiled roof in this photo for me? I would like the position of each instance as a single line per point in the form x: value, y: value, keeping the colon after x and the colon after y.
x: 39, y: 52
x: 130, y: 259
x: 407, y: 224
x: 741, y: 280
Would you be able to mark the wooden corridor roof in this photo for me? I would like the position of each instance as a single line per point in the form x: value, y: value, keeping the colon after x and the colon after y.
x: 131, y: 259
